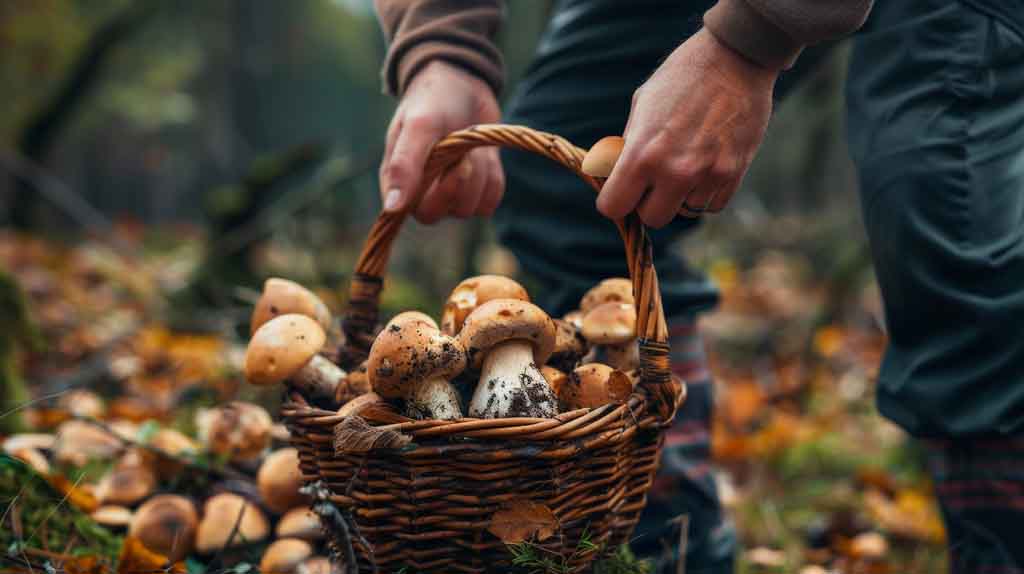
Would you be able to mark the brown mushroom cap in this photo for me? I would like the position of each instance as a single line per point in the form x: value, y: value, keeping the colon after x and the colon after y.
x: 406, y: 353
x: 113, y: 516
x: 301, y: 523
x: 33, y: 458
x: 284, y: 556
x: 279, y: 480
x: 356, y: 405
x: 595, y: 385
x: 569, y: 343
x: 610, y: 324
x: 82, y: 403
x: 616, y: 289
x: 356, y: 384
x: 315, y: 565
x: 473, y: 292
x: 503, y: 320
x: 127, y: 483
x: 281, y: 297
x: 220, y: 515
x: 556, y: 379
x: 574, y: 318
x: 39, y: 441
x: 166, y: 524
x: 78, y: 442
x: 601, y: 158
x: 412, y: 317
x: 238, y: 429
x: 281, y: 347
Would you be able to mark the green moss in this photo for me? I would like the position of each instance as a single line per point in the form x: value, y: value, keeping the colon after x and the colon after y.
x: 46, y: 519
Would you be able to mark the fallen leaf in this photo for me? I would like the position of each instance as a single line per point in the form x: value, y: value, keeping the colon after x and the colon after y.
x: 521, y: 520
x: 354, y: 435
x: 137, y: 559
x: 83, y: 565
x: 78, y: 496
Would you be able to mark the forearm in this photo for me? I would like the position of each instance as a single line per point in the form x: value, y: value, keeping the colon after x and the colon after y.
x: 460, y: 32
x: 773, y: 32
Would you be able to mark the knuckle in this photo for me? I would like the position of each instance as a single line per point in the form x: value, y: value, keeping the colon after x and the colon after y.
x: 420, y: 122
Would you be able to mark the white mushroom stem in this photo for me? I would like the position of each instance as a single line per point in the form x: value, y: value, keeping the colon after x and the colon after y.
x: 318, y: 378
x: 625, y: 357
x: 436, y: 398
x: 512, y: 385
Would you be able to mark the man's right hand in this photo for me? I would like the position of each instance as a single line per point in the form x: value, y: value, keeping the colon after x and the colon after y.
x: 441, y: 99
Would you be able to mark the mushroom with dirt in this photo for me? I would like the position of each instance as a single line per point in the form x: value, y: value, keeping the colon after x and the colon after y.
x: 411, y: 359
x: 506, y: 339
x: 473, y: 292
x: 570, y: 346
x: 287, y: 348
x: 612, y: 326
x: 282, y: 297
x: 238, y: 429
x: 230, y: 520
x: 166, y: 524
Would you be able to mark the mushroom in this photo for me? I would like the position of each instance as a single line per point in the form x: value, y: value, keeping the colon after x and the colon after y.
x: 556, y: 379
x: 594, y: 385
x: 166, y: 524
x: 221, y: 514
x: 82, y: 403
x: 506, y: 340
x: 37, y: 441
x: 33, y: 458
x: 601, y: 157
x: 279, y: 480
x: 412, y: 360
x: 78, y: 442
x: 240, y: 430
x: 473, y: 292
x: 284, y: 556
x: 287, y: 348
x: 174, y: 444
x: 574, y: 318
x: 613, y: 327
x: 613, y: 290
x: 356, y: 384
x: 570, y: 346
x: 358, y: 404
x: 112, y: 516
x: 129, y: 482
x: 301, y: 523
x: 281, y: 297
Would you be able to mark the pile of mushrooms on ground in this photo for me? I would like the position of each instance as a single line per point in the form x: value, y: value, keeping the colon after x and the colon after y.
x: 255, y: 506
x: 493, y: 354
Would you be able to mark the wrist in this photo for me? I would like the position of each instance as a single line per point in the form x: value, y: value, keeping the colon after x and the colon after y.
x: 735, y: 64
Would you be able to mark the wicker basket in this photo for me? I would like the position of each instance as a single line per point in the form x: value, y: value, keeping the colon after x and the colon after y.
x: 427, y: 506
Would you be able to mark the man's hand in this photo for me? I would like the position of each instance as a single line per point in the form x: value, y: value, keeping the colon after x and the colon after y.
x: 693, y: 130
x: 441, y: 99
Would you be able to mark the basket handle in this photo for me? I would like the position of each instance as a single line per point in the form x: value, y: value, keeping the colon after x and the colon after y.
x: 360, y: 321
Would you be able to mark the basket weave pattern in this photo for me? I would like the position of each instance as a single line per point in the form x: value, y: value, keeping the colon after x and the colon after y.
x: 427, y: 506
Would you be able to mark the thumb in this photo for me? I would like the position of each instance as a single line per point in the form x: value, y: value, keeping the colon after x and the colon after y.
x: 402, y: 173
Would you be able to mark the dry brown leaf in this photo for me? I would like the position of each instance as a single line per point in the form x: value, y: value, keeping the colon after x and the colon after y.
x: 76, y: 495
x: 137, y: 559
x: 83, y: 565
x: 354, y: 435
x: 521, y: 520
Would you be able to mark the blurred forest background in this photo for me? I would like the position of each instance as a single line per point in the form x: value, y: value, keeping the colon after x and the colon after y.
x: 182, y: 152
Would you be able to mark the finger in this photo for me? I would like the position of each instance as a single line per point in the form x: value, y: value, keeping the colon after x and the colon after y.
x: 402, y: 174
x: 439, y: 201
x: 470, y: 191
x: 625, y: 186
x: 661, y: 204
x: 494, y: 189
x: 723, y: 195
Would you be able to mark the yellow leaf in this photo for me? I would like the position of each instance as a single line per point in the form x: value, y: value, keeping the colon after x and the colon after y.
x: 521, y: 520
x: 137, y: 559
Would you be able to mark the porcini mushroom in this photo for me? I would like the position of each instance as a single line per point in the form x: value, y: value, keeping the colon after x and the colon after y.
x: 281, y: 297
x: 411, y: 359
x: 613, y: 327
x: 594, y: 385
x: 238, y: 429
x: 284, y: 556
x: 507, y: 339
x: 221, y: 514
x: 301, y: 523
x: 556, y: 379
x: 356, y: 384
x: 613, y: 290
x: 287, y: 348
x: 166, y: 524
x: 473, y: 292
x: 570, y: 346
x: 279, y: 480
x: 601, y: 157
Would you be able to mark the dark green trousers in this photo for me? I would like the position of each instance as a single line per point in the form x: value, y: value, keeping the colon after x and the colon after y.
x: 936, y: 127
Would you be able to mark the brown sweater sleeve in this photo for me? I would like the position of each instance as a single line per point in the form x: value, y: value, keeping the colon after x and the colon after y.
x: 460, y: 32
x: 773, y: 32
